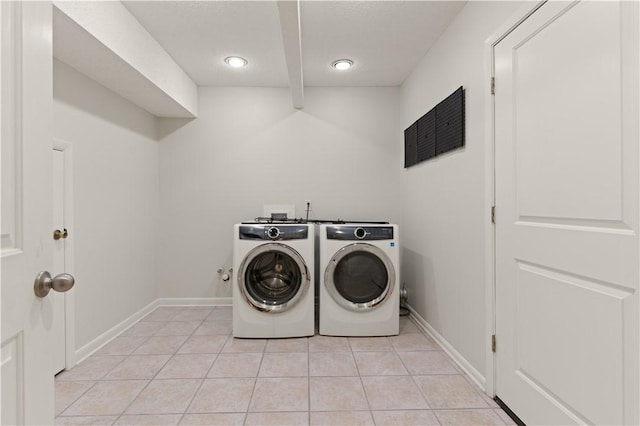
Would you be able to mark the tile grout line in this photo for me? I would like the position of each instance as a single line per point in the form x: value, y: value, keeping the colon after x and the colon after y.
x: 171, y: 320
x: 227, y: 339
x: 76, y: 399
x: 107, y: 373
x: 150, y: 380
x: 255, y: 382
x: 414, y: 381
x: 99, y: 380
x: 186, y: 410
x: 309, y: 380
x: 364, y: 391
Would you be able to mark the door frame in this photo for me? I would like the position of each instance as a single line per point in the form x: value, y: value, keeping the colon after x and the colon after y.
x: 489, y: 231
x: 69, y: 259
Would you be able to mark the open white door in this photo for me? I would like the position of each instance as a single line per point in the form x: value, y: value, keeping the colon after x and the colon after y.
x: 26, y: 129
x: 566, y: 186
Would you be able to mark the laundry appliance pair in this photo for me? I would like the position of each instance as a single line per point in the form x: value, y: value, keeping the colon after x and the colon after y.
x: 274, y: 285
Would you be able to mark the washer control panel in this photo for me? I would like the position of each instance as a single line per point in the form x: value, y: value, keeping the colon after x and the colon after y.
x: 274, y: 232
x: 361, y: 233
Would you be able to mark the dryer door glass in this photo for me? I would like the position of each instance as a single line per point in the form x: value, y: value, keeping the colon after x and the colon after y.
x: 273, y: 277
x: 360, y: 277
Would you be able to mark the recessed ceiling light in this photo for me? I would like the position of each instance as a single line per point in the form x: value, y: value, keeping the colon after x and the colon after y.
x: 235, y: 61
x: 342, y: 64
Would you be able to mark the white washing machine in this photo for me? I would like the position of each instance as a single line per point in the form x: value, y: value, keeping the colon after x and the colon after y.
x: 359, y: 280
x: 273, y: 285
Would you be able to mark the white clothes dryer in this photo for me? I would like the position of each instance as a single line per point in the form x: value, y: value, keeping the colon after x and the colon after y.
x: 359, y: 280
x: 273, y: 285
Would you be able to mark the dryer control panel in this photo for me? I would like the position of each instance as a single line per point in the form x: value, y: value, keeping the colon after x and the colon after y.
x: 274, y: 232
x: 359, y: 233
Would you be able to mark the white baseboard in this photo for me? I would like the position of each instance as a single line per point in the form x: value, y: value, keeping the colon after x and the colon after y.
x: 474, y: 374
x: 97, y: 343
x: 194, y: 301
x: 88, y: 349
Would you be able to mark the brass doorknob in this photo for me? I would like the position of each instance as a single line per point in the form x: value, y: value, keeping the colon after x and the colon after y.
x: 44, y: 283
x: 57, y: 234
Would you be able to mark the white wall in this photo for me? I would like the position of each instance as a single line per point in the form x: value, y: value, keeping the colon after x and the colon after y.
x: 115, y: 170
x: 443, y: 199
x: 249, y: 147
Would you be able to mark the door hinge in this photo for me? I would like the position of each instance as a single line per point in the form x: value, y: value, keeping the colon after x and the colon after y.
x: 493, y: 85
x: 493, y: 343
x: 493, y: 214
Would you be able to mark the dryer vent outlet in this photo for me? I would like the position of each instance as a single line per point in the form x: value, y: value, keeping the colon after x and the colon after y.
x: 404, y: 295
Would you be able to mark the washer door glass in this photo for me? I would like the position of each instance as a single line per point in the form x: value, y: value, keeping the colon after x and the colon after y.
x: 273, y: 277
x: 360, y: 276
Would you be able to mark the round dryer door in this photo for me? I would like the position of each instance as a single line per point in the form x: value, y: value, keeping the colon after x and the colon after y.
x: 273, y: 277
x: 360, y: 276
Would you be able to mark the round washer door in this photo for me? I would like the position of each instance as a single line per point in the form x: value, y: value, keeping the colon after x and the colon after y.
x: 273, y: 277
x: 360, y: 276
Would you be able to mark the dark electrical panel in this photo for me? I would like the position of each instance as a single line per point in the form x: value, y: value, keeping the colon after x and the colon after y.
x: 427, y: 136
x: 411, y: 145
x: 438, y: 131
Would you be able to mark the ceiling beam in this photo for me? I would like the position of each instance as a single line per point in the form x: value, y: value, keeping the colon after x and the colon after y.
x: 104, y: 41
x: 291, y: 39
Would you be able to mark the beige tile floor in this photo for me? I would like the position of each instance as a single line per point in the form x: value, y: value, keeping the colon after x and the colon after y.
x: 182, y: 366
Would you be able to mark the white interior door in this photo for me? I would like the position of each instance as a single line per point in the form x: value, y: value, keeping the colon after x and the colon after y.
x: 566, y: 187
x: 59, y: 245
x: 26, y: 129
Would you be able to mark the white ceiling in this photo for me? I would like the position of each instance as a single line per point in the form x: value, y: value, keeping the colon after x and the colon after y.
x: 385, y: 39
